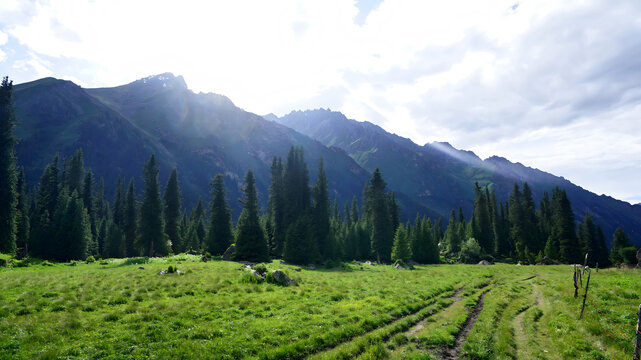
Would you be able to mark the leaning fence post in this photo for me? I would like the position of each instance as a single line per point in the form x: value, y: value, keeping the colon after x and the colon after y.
x: 585, y: 295
x: 637, y: 343
x: 576, y: 287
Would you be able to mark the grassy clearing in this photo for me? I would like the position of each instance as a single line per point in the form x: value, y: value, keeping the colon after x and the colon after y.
x: 120, y: 311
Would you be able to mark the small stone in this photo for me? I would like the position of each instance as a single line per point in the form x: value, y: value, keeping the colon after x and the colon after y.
x: 141, y: 268
x: 282, y: 262
x: 311, y: 267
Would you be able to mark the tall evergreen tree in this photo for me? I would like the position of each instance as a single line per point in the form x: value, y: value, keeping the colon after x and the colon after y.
x: 119, y: 203
x: 620, y: 241
x: 75, y: 174
x: 172, y: 204
x: 296, y: 186
x: 563, y: 228
x: 130, y: 223
x: 251, y: 244
x: 588, y: 238
x: 22, y: 231
x: 482, y: 229
x: 276, y: 207
x: 355, y: 214
x: 401, y: 249
x: 379, y: 215
x: 151, y: 238
x: 320, y: 214
x: 113, y: 240
x: 602, y: 253
x: 8, y: 173
x: 72, y: 232
x: 219, y: 235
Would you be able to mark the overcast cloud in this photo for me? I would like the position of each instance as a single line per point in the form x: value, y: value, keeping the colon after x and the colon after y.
x: 552, y: 84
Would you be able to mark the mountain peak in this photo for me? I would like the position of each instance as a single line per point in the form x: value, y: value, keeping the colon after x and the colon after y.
x: 165, y: 80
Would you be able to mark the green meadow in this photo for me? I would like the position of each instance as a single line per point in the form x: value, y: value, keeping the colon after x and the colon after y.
x: 125, y: 309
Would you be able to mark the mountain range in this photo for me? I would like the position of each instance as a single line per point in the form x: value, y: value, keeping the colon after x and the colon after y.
x: 118, y: 128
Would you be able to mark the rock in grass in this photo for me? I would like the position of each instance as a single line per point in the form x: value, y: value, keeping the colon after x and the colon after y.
x: 282, y: 262
x: 484, y: 262
x: 281, y: 278
x: 402, y: 265
x: 369, y: 263
x: 229, y: 253
x: 311, y: 267
x: 141, y: 268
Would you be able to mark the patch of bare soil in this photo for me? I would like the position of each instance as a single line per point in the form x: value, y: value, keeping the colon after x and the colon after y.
x: 421, y: 324
x: 452, y: 353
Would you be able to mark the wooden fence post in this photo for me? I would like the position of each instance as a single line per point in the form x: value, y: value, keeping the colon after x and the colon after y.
x: 576, y: 287
x: 585, y: 262
x: 585, y: 295
x: 637, y: 343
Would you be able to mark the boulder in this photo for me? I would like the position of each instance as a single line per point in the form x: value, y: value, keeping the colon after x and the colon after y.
x: 141, y: 268
x: 311, y: 267
x: 229, y: 253
x: 204, y: 258
x: 281, y: 278
x: 402, y: 265
x: 484, y: 262
x: 369, y: 263
x: 282, y: 262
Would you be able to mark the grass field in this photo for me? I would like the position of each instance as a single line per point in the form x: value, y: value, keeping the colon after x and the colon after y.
x: 119, y: 311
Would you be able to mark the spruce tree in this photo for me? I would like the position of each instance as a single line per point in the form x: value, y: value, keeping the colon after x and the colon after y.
x: 379, y: 216
x: 401, y: 249
x: 276, y: 207
x: 563, y: 228
x: 172, y: 206
x: 589, y: 240
x: 75, y: 174
x: 23, y: 223
x: 482, y: 229
x: 320, y: 214
x: 300, y: 247
x: 151, y: 238
x: 620, y: 241
x: 197, y: 219
x: 8, y: 174
x: 355, y: 214
x: 602, y: 254
x: 296, y: 186
x: 71, y: 229
x: 130, y: 222
x: 219, y: 234
x: 113, y: 241
x: 251, y: 244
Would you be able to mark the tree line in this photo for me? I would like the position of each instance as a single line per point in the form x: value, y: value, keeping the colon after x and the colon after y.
x: 67, y: 217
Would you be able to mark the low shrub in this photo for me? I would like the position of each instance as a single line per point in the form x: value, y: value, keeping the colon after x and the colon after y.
x: 90, y: 259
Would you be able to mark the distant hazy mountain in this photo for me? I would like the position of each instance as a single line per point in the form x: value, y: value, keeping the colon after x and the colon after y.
x: 442, y: 177
x: 202, y: 134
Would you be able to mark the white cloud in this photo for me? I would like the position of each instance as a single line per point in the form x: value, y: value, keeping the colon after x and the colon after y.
x: 536, y: 81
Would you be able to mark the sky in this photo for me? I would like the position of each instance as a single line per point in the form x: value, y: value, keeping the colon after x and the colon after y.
x: 555, y: 85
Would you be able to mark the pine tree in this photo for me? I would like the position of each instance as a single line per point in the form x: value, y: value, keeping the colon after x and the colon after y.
x: 219, y: 235
x: 379, y: 216
x: 119, y: 203
x: 8, y: 174
x: 113, y: 241
x: 563, y: 228
x: 102, y: 237
x: 401, y: 249
x: 151, y: 238
x: 22, y: 230
x: 296, y: 186
x: 602, y: 253
x: 620, y: 241
x: 452, y: 239
x: 276, y: 207
x: 529, y: 222
x: 197, y: 219
x: 130, y: 223
x: 40, y: 244
x: 172, y: 206
x: 588, y: 239
x: 251, y: 244
x: 72, y: 232
x: 300, y: 247
x: 76, y: 173
x: 355, y: 214
x: 320, y: 214
x: 482, y: 229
